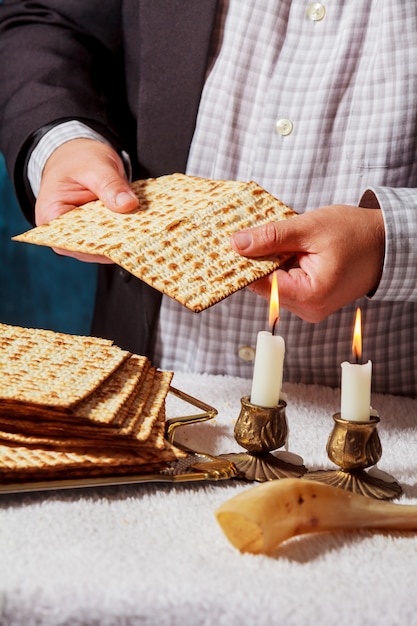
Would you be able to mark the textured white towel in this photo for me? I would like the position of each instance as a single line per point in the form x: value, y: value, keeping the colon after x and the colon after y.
x: 154, y: 554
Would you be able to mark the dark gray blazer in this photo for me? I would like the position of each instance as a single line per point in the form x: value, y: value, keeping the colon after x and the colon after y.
x: 134, y: 70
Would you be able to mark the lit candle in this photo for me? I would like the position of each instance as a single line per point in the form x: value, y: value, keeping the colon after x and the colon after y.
x: 269, y: 358
x: 356, y: 381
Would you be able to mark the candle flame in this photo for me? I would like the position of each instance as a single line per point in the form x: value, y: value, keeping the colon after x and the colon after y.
x: 357, y: 336
x: 274, y: 302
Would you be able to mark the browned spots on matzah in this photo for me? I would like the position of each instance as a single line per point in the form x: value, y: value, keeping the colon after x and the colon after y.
x: 198, y: 215
x: 136, y: 411
x: 19, y: 463
x: 113, y: 423
x: 153, y: 406
x: 104, y: 404
x: 71, y: 366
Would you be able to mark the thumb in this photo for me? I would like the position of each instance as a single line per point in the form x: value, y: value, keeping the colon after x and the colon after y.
x: 271, y: 238
x: 116, y: 194
x: 109, y: 184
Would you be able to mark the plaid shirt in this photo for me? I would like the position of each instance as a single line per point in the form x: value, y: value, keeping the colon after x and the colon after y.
x: 316, y: 103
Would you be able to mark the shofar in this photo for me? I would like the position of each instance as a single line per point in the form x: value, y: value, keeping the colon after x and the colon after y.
x: 259, y: 519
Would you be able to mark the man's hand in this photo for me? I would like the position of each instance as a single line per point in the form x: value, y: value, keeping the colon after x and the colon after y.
x: 339, y: 254
x: 77, y: 172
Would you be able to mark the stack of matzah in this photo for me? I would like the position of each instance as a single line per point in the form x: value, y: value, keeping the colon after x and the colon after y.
x: 78, y: 406
x: 178, y: 241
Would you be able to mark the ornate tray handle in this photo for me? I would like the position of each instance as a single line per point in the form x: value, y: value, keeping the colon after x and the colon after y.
x: 173, y: 423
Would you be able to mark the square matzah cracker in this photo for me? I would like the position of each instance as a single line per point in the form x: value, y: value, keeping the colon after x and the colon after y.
x: 113, y: 397
x: 53, y: 370
x: 144, y: 427
x: 178, y: 239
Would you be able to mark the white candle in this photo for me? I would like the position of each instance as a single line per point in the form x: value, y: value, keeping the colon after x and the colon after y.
x: 356, y: 381
x: 356, y: 392
x: 269, y: 358
x: 267, y: 373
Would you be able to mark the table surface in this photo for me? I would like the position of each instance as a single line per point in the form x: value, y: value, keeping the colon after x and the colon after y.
x: 154, y: 553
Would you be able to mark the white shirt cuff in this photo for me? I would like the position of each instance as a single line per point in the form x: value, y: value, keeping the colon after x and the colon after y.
x: 59, y: 134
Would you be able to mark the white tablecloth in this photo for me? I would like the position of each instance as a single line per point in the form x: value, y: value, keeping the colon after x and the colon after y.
x: 154, y: 553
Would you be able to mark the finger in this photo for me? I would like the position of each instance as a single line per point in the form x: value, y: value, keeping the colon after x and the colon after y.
x: 261, y: 287
x: 295, y: 294
x: 291, y: 285
x: 86, y: 258
x: 272, y: 237
x: 55, y: 199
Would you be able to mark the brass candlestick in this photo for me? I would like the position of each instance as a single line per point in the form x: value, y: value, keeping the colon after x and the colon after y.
x: 355, y: 446
x: 260, y: 430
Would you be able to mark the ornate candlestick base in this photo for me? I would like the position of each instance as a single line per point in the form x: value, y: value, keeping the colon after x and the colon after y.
x: 354, y: 446
x: 260, y: 430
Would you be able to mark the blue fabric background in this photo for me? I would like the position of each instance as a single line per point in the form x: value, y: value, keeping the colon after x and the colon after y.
x: 37, y: 287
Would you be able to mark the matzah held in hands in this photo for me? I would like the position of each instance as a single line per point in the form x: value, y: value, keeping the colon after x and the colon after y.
x: 177, y: 241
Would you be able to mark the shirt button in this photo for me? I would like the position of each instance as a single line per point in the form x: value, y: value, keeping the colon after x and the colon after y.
x: 284, y: 127
x: 316, y: 11
x: 246, y: 353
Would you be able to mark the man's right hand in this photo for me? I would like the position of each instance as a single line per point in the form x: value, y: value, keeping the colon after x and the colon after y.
x: 77, y: 172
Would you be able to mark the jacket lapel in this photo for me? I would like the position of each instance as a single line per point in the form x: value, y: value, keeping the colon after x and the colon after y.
x: 171, y: 76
